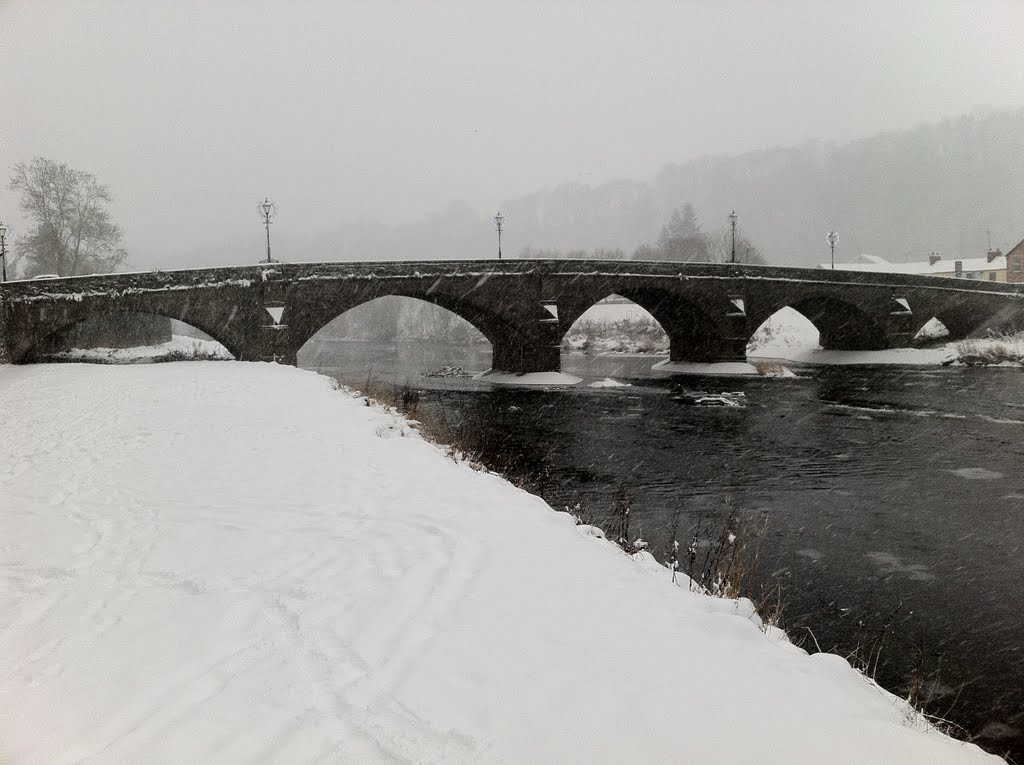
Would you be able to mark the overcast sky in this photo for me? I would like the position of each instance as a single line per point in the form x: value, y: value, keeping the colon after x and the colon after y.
x: 191, y: 112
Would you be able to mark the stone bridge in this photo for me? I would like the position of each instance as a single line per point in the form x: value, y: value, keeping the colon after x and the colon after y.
x: 523, y: 307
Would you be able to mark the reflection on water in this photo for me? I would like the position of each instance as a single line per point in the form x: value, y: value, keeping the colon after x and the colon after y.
x: 895, y: 497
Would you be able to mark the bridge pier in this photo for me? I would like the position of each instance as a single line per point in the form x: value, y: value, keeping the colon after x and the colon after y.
x: 681, y: 349
x: 713, y: 339
x: 900, y: 328
x: 889, y: 325
x: 273, y: 339
x: 533, y: 347
x: 273, y: 343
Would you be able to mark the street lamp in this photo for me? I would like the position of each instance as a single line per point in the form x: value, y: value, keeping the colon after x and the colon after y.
x: 733, y: 217
x: 832, y: 238
x: 499, y: 219
x: 267, y: 210
x: 3, y: 250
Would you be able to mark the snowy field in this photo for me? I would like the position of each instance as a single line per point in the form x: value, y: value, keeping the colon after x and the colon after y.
x: 233, y: 563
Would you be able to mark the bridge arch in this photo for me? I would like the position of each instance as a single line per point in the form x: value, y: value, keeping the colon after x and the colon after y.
x: 391, y: 317
x: 514, y: 325
x: 785, y: 331
x: 687, y: 319
x: 841, y: 325
x: 616, y: 314
x: 305, y: 324
x: 957, y: 321
x: 693, y: 333
x: 933, y: 330
x: 92, y: 329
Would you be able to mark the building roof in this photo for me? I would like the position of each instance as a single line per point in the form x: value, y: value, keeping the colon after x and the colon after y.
x: 938, y: 268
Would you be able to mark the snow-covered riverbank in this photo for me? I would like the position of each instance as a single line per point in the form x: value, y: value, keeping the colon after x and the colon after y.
x: 178, y: 348
x: 226, y: 562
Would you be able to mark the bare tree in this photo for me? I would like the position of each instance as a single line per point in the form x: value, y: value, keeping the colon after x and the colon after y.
x: 720, y: 247
x: 72, y: 231
x: 646, y: 251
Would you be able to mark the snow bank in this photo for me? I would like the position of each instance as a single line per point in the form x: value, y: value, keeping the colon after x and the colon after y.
x: 178, y: 347
x: 608, y: 382
x: 1001, y: 350
x: 529, y: 378
x: 717, y: 369
x: 898, y: 356
x: 233, y: 563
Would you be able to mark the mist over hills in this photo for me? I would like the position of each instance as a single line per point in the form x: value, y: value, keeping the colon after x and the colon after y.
x: 939, y: 187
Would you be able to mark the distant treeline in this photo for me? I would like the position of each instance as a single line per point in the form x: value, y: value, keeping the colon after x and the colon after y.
x: 681, y: 239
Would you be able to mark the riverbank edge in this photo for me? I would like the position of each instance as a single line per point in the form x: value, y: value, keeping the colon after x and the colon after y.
x: 741, y: 606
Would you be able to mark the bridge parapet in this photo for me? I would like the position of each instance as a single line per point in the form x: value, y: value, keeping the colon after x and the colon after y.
x: 554, y: 268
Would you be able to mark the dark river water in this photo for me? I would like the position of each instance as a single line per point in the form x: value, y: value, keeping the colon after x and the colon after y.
x: 891, y: 499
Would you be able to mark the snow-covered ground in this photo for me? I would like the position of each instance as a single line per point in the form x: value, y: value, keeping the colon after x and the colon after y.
x: 233, y: 563
x: 528, y: 378
x: 177, y: 348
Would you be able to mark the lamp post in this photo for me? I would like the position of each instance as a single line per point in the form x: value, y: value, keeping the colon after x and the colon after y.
x: 733, y: 217
x: 3, y: 250
x: 499, y: 219
x: 267, y: 211
x: 832, y: 238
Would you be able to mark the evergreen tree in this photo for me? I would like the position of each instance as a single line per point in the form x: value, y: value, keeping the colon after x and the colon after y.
x: 681, y: 238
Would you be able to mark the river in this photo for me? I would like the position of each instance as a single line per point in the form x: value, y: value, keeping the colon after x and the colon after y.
x: 891, y: 499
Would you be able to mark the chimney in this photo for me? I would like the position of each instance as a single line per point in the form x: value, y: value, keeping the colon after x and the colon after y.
x: 934, y: 258
x: 993, y: 254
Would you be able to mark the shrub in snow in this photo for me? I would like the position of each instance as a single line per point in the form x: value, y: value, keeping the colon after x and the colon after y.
x: 997, y: 349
